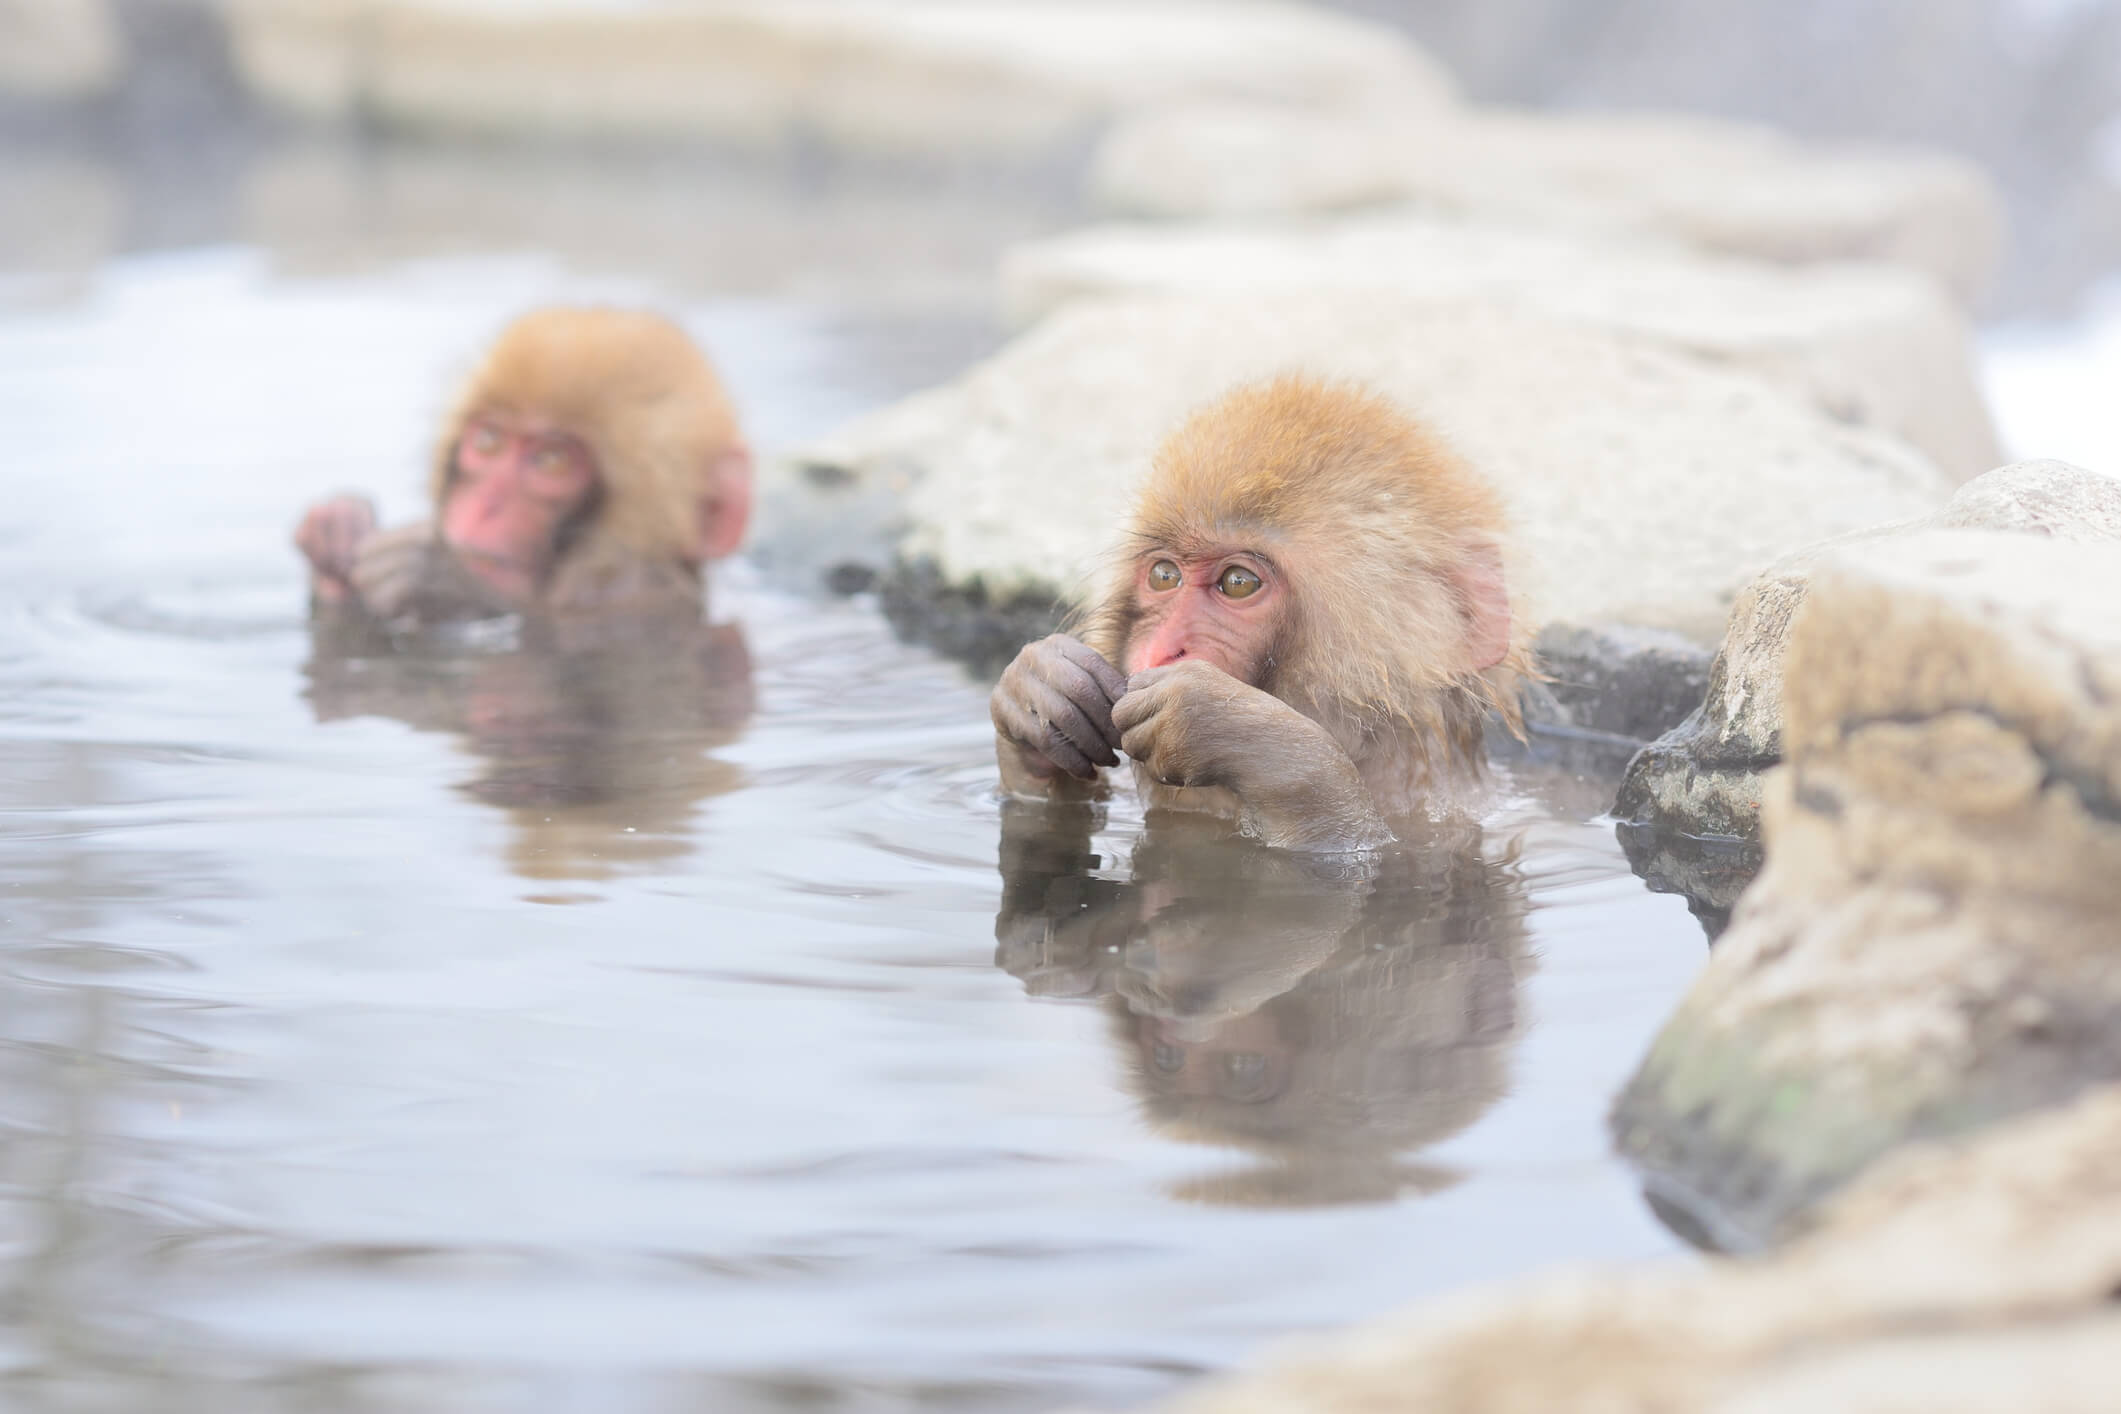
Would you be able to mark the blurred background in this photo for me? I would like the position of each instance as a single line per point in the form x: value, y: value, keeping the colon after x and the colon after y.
x: 2030, y: 89
x: 130, y: 125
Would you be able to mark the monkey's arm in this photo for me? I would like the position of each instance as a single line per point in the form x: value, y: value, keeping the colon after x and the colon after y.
x: 1191, y: 724
x: 1052, y: 715
x: 409, y: 574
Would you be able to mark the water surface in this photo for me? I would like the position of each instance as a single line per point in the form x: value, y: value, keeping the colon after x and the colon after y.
x: 487, y: 1026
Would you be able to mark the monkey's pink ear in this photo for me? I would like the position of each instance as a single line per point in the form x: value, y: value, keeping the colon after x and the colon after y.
x: 724, y: 506
x: 1486, y: 598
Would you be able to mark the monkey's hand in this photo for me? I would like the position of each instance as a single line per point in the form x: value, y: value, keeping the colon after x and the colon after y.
x: 408, y: 574
x: 329, y: 537
x: 1052, y: 714
x: 1191, y: 724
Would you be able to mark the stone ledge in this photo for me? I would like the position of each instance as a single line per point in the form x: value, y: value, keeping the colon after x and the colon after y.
x: 1963, y: 1277
x: 1646, y: 490
x: 1717, y: 186
x: 1930, y: 946
x: 1870, y: 345
x: 891, y: 78
x: 59, y: 49
x: 1703, y: 777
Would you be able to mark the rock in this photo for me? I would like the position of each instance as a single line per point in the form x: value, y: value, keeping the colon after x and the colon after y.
x: 1873, y: 345
x: 1608, y: 689
x: 59, y: 214
x: 1716, y: 186
x: 1249, y: 159
x: 1931, y: 945
x: 683, y: 223
x: 1703, y: 777
x: 1957, y: 1277
x: 1623, y: 681
x: 966, y: 622
x: 58, y: 49
x: 1710, y: 874
x: 896, y: 78
x: 1646, y: 486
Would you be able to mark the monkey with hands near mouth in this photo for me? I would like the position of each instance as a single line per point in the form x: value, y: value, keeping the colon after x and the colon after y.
x: 592, y: 465
x: 1305, y: 626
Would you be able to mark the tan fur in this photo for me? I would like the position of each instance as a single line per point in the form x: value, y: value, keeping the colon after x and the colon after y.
x: 637, y: 391
x: 1377, y: 524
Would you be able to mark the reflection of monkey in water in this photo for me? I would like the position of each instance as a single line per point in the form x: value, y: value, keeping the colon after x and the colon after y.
x: 598, y: 751
x: 1328, y: 1014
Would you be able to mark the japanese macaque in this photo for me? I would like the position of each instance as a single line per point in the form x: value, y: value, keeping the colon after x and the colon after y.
x: 1331, y: 1014
x: 592, y: 465
x: 1305, y: 626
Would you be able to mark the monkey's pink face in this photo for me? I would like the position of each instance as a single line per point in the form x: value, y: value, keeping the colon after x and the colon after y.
x: 518, y: 481
x: 1225, y: 608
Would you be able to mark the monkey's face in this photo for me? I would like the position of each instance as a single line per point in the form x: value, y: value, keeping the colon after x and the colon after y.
x: 518, y: 482
x: 1224, y: 606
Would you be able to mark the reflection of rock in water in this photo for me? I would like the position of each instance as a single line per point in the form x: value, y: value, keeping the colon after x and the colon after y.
x: 596, y: 747
x: 1709, y: 873
x: 1327, y: 1016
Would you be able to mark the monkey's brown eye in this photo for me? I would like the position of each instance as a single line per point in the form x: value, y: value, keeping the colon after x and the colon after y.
x: 485, y: 440
x: 1164, y: 575
x: 1238, y: 582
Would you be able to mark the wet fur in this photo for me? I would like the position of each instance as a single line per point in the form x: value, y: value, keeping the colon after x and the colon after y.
x: 640, y: 395
x: 1378, y: 526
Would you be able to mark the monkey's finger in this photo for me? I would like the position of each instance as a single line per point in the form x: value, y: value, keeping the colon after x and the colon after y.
x: 1040, y: 720
x: 1074, y: 682
x: 1140, y: 744
x: 1110, y: 680
x: 356, y: 521
x: 312, y: 537
x: 1135, y: 709
x: 1048, y: 704
x: 345, y: 538
x: 1024, y: 727
x: 1148, y: 678
x: 385, y: 580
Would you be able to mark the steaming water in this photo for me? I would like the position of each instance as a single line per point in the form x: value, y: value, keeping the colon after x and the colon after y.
x: 631, y: 1031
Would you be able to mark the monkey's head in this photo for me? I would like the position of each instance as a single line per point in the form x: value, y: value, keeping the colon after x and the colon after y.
x: 590, y: 427
x: 1315, y: 542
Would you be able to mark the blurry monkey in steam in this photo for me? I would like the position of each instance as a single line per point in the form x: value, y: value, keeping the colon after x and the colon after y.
x: 591, y: 468
x: 592, y: 465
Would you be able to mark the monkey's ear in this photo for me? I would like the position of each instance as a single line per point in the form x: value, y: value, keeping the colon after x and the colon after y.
x: 724, y: 508
x: 1485, y: 595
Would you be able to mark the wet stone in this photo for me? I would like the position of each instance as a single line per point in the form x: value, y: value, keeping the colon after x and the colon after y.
x: 1929, y: 947
x: 964, y: 621
x: 1709, y: 873
x: 1703, y: 777
x: 1631, y: 682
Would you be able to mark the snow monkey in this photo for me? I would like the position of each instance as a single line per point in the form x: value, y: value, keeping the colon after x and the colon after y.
x: 1304, y: 626
x: 592, y: 464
